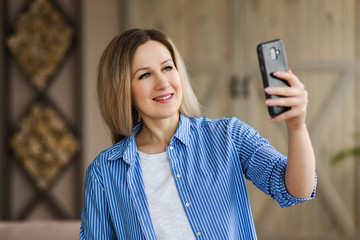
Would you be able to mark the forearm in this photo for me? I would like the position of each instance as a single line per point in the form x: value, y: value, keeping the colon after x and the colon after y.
x: 300, y: 169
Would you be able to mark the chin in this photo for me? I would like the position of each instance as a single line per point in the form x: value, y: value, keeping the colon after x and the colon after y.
x: 171, y: 114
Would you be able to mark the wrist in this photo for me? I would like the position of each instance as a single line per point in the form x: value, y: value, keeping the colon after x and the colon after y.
x: 301, y: 127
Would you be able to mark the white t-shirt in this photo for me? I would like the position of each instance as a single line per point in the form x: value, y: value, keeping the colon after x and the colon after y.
x: 166, y: 211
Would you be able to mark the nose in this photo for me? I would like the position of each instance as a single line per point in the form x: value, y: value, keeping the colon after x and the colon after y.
x: 161, y: 82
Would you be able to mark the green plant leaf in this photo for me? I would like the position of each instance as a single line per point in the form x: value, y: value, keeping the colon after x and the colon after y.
x: 355, y: 151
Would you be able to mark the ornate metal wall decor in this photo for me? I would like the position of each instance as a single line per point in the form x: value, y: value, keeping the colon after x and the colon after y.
x: 44, y: 144
x: 41, y: 39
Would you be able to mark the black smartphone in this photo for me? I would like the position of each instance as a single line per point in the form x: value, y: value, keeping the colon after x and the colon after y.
x: 272, y: 58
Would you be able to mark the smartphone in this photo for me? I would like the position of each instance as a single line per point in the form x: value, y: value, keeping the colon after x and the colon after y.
x: 272, y: 58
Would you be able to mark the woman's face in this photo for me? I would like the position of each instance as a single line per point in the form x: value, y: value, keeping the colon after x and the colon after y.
x: 155, y: 85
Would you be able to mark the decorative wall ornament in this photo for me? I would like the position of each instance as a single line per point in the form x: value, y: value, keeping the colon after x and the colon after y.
x: 40, y: 41
x: 44, y: 144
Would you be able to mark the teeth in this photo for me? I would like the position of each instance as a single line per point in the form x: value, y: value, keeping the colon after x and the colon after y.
x: 163, y: 98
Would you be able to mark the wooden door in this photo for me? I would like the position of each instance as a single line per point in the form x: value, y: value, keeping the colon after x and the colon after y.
x: 218, y: 39
x: 321, y: 40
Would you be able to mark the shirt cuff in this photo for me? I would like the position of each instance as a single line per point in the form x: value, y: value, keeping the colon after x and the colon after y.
x: 289, y: 200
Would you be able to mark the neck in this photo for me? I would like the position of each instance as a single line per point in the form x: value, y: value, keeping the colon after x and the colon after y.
x: 155, y: 135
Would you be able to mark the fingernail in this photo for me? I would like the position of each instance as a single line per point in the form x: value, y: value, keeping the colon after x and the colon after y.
x: 276, y: 73
x: 268, y: 89
x: 268, y: 101
x: 272, y: 120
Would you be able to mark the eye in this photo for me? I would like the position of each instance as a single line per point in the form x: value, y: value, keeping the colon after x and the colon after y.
x: 145, y: 75
x: 168, y: 68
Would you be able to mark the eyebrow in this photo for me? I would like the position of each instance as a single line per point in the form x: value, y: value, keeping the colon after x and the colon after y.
x: 146, y: 68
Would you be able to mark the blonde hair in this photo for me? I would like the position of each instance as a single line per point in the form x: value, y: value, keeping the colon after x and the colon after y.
x: 114, y: 81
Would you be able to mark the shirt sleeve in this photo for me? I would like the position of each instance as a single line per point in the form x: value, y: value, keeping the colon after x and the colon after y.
x: 262, y: 164
x: 95, y: 217
x: 278, y: 189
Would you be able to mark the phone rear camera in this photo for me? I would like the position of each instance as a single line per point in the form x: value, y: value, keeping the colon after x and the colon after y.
x: 273, y: 53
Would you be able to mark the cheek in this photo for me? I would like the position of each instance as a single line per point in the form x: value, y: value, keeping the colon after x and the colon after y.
x: 137, y: 88
x: 176, y: 80
x: 135, y: 94
x: 139, y: 93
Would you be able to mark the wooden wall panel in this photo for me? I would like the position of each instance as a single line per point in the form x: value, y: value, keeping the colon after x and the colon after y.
x: 312, y: 30
x: 218, y: 41
x: 320, y: 41
x: 195, y: 26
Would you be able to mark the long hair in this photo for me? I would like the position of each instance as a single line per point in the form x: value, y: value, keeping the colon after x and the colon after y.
x: 114, y: 81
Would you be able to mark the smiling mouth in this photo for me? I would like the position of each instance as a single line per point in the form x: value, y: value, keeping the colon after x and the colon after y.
x: 163, y: 98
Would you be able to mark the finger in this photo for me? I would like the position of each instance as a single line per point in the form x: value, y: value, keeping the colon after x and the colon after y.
x: 284, y: 91
x: 290, y: 77
x: 293, y: 113
x: 283, y: 102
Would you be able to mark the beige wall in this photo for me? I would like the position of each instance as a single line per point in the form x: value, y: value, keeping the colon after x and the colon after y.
x: 101, y: 22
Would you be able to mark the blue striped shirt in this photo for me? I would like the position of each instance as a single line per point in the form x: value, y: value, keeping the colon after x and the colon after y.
x: 211, y: 157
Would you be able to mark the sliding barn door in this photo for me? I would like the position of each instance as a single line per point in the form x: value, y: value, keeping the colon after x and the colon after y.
x: 321, y: 40
x: 218, y: 39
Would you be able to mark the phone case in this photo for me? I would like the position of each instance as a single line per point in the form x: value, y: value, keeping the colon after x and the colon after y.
x: 272, y: 58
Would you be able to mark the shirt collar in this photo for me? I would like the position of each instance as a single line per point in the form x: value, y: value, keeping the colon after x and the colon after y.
x: 126, y: 149
x: 182, y: 132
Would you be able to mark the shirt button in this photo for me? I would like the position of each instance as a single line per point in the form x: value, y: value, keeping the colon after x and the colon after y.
x: 187, y: 204
x: 198, y: 233
x: 178, y: 176
x: 171, y: 148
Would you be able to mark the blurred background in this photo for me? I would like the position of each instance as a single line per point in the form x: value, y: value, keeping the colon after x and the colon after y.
x: 51, y: 130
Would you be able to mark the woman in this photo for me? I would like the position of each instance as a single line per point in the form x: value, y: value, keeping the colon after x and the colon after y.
x: 172, y: 174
